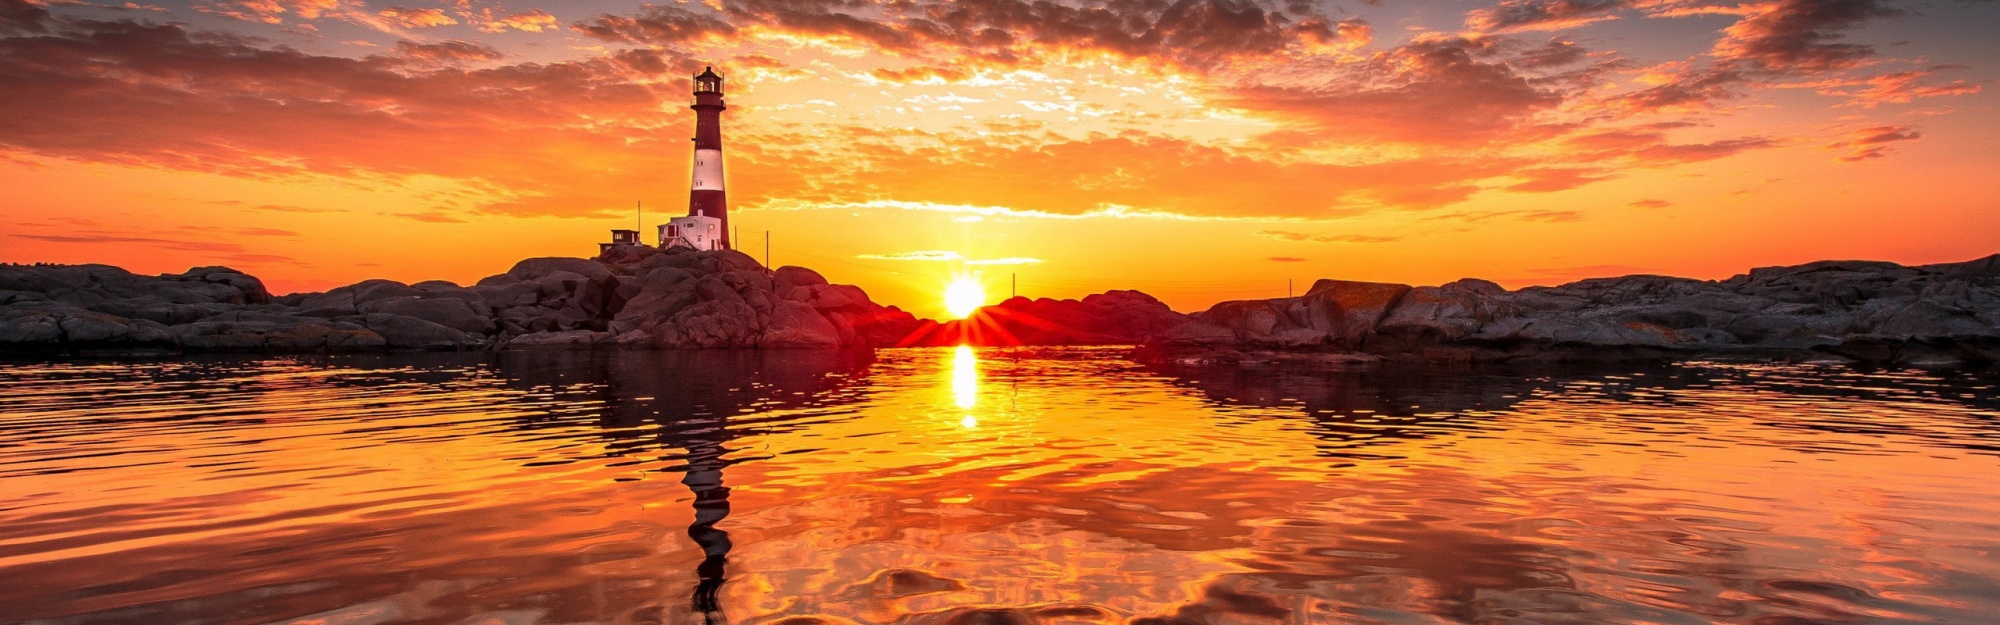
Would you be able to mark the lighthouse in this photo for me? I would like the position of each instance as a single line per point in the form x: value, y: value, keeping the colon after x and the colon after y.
x: 706, y: 226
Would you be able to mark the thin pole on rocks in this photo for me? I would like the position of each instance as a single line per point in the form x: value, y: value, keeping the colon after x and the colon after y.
x: 1288, y: 287
x: 767, y: 249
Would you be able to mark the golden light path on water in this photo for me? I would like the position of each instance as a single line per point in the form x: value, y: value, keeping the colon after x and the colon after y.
x: 965, y: 382
x: 969, y: 485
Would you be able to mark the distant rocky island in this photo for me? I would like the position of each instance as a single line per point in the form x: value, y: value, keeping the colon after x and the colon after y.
x: 636, y: 297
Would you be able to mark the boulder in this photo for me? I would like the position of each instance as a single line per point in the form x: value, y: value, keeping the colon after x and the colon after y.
x: 1453, y: 311
x: 787, y: 277
x: 1345, y: 312
x: 663, y: 293
x: 450, y: 312
x: 710, y: 325
x: 501, y: 296
x: 841, y: 297
x: 404, y: 332
x: 794, y: 324
x: 1251, y: 320
x: 1198, y: 334
x: 1924, y: 319
x: 30, y: 328
x: 275, y: 334
x: 535, y: 268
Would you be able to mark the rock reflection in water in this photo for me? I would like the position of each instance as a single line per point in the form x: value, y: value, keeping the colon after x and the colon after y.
x: 978, y: 486
x: 1357, y: 410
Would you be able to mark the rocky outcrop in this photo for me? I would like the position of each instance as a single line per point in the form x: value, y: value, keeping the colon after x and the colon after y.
x: 635, y: 298
x: 1871, y: 311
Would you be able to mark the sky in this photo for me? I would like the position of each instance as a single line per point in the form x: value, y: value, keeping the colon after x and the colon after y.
x: 1197, y: 150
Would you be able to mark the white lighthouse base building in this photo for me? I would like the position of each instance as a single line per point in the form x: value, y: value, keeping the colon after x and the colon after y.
x: 697, y: 232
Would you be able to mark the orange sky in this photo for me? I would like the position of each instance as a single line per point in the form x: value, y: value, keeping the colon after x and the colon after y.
x: 1199, y: 150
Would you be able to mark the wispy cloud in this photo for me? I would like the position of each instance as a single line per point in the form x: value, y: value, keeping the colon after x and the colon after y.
x: 920, y: 256
x: 937, y: 256
x: 1304, y: 237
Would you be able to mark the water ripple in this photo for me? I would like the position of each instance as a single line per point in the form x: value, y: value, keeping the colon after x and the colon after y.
x: 997, y: 486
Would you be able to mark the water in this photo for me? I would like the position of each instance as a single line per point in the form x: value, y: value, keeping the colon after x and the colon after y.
x: 991, y: 487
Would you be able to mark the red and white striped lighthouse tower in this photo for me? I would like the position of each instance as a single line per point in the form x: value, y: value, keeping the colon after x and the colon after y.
x: 705, y: 196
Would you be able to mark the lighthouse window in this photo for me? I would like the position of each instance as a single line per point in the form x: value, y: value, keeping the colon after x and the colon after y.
x: 673, y: 231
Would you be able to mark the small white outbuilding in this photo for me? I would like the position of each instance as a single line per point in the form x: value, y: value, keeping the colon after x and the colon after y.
x: 697, y: 232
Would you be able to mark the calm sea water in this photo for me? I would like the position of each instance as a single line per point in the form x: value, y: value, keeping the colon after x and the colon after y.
x: 988, y: 487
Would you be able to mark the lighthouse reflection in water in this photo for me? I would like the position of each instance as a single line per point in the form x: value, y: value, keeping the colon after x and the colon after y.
x: 961, y: 485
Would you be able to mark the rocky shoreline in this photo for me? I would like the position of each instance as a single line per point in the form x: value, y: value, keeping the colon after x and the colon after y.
x: 1873, y: 312
x: 642, y: 298
x: 636, y: 298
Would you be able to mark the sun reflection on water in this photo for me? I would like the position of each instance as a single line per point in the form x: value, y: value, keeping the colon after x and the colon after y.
x: 965, y: 382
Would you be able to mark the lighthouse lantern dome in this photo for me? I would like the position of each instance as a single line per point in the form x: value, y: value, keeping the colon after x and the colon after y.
x: 708, y: 81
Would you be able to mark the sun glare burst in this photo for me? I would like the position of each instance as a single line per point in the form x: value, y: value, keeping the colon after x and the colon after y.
x: 963, y: 295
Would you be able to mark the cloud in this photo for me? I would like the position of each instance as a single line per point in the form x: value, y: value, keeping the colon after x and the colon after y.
x: 417, y: 18
x: 938, y: 256
x: 1286, y: 259
x: 1556, y: 53
x: 107, y: 238
x: 267, y: 11
x: 919, y: 256
x: 287, y: 208
x: 1800, y: 35
x: 266, y: 232
x: 20, y: 16
x: 655, y: 25
x: 535, y: 21
x: 1890, y: 88
x: 1771, y: 39
x: 429, y: 218
x: 1649, y: 203
x: 1689, y: 91
x: 509, y: 138
x: 1326, y: 238
x: 1544, y: 216
x: 1435, y: 92
x: 1011, y: 33
x: 1525, y: 15
x: 1552, y: 179
x: 1140, y: 173
x: 1676, y: 154
x: 450, y: 51
x: 1868, y: 143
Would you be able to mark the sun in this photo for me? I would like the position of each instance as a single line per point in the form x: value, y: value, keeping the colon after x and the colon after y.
x: 963, y: 295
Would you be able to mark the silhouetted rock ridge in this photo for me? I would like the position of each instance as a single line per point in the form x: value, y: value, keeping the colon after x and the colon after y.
x: 638, y: 297
x: 1870, y: 311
